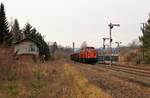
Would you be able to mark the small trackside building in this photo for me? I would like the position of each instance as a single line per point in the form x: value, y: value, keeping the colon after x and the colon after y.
x: 26, y: 50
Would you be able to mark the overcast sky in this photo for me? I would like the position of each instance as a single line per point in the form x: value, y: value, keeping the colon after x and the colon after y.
x: 67, y: 21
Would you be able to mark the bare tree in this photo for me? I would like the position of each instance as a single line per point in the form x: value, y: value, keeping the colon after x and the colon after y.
x: 84, y: 44
x: 134, y: 44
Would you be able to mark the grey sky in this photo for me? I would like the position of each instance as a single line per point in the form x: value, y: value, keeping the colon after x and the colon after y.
x: 65, y: 21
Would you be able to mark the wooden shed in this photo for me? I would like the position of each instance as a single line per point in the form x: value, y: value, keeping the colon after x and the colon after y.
x: 26, y: 50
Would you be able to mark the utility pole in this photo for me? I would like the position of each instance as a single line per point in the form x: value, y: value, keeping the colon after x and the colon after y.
x: 73, y: 45
x: 143, y: 29
x: 110, y: 32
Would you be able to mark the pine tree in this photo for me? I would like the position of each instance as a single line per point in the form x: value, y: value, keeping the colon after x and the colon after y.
x: 15, y: 30
x: 145, y: 40
x: 27, y: 30
x: 4, y: 31
x: 33, y: 34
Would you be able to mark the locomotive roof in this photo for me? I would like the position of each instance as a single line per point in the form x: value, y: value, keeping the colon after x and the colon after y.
x: 88, y: 48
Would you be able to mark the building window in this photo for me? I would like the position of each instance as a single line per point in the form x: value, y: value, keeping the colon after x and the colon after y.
x: 31, y: 48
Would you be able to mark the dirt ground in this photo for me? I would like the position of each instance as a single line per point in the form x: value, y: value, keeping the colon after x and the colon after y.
x: 114, y: 86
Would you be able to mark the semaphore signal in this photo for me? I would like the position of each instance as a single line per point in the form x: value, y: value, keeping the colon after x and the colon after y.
x: 111, y: 26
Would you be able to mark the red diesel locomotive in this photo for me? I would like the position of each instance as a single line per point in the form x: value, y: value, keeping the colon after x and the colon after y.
x: 85, y: 55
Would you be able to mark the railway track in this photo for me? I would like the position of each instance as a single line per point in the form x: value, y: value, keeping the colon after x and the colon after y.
x: 135, y: 71
x: 133, y: 74
x: 120, y: 82
x: 133, y: 67
x: 127, y: 69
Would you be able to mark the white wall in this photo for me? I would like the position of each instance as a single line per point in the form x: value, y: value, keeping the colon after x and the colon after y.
x: 26, y: 47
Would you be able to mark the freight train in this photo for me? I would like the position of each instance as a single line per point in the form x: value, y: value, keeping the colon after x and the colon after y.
x: 85, y: 55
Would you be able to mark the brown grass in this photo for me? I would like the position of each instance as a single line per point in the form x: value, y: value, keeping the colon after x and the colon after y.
x: 51, y: 80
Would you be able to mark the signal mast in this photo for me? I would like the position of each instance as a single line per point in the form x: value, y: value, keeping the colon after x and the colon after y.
x: 110, y: 33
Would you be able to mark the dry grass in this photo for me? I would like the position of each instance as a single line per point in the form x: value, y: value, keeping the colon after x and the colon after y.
x: 115, y: 86
x: 51, y: 80
x: 78, y: 87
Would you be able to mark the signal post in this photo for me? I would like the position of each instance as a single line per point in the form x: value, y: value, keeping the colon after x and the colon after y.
x: 110, y: 34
